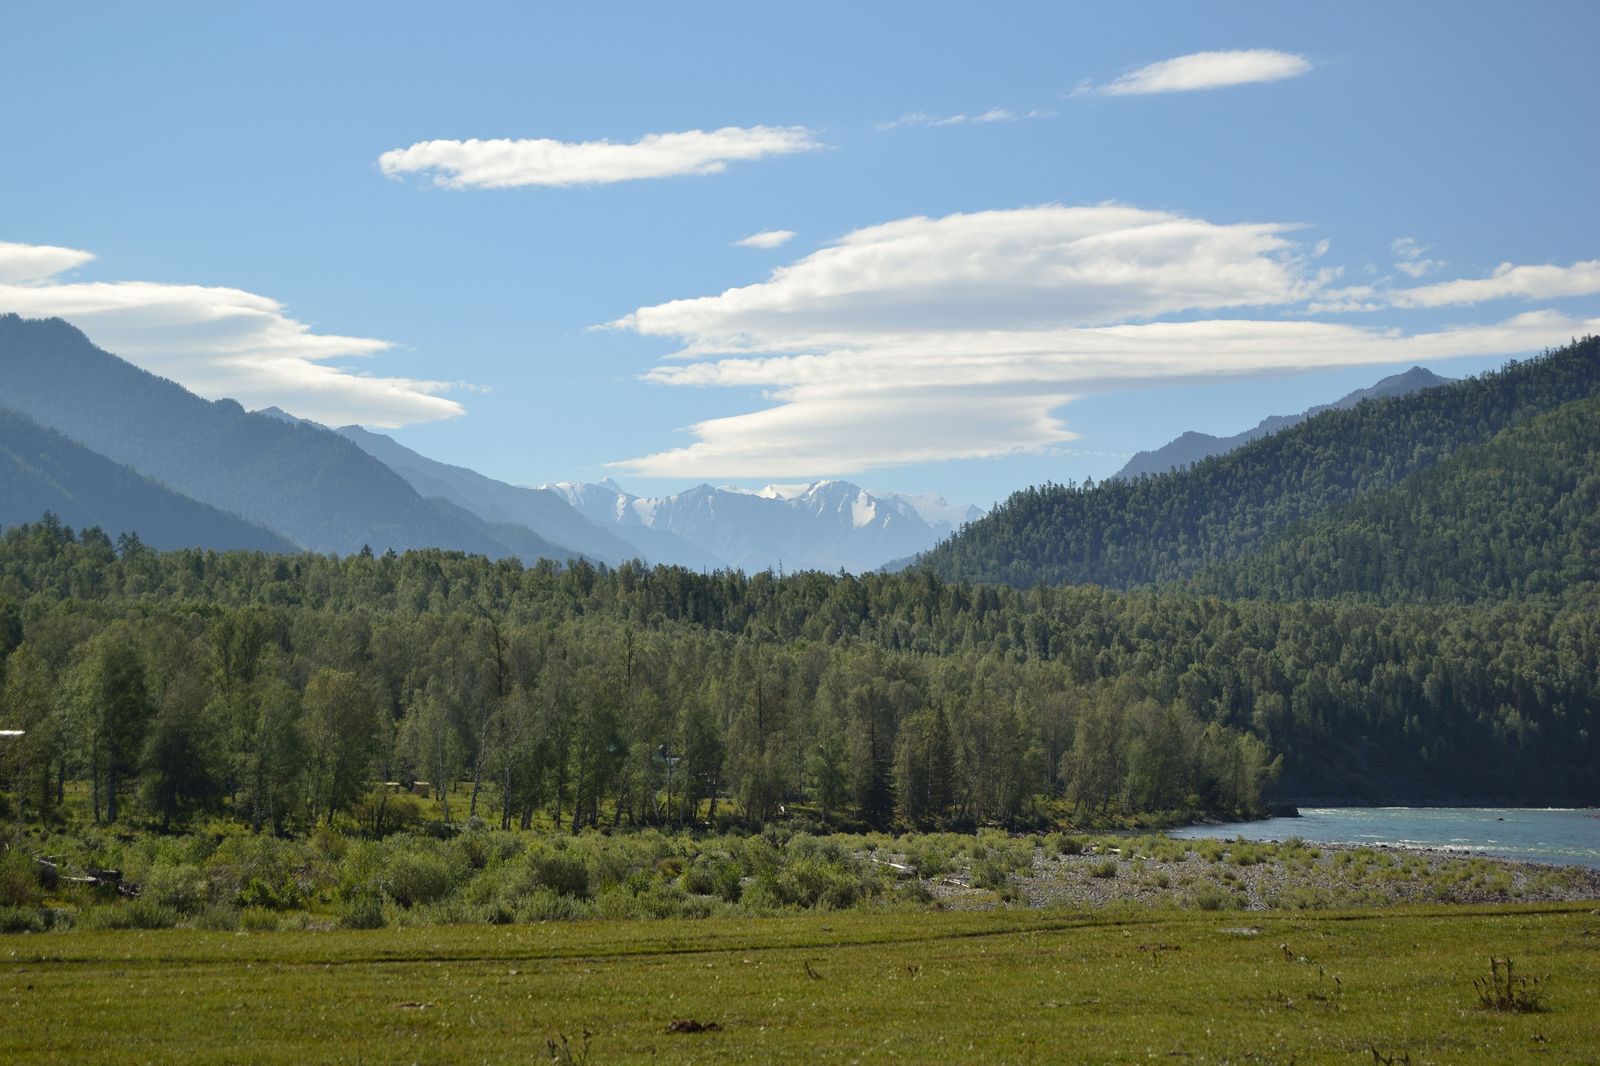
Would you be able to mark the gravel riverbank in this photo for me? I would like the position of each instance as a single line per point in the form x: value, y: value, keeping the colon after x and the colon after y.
x: 1233, y: 875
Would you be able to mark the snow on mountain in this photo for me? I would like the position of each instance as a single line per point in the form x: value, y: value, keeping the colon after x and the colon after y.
x: 943, y: 516
x: 824, y: 525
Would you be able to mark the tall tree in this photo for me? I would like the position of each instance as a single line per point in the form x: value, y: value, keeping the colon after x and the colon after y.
x: 343, y: 725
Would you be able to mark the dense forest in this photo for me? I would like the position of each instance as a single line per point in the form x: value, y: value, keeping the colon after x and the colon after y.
x: 1152, y: 529
x: 1517, y: 516
x: 280, y: 688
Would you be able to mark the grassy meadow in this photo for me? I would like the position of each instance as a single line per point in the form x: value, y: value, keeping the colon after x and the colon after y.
x: 1005, y: 985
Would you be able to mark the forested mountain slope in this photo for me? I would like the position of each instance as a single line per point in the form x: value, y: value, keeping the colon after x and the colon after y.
x: 309, y: 484
x: 1153, y: 529
x: 40, y: 471
x: 1517, y: 516
x: 1191, y: 447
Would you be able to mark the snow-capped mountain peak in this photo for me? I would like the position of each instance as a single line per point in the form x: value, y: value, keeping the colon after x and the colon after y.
x: 821, y: 525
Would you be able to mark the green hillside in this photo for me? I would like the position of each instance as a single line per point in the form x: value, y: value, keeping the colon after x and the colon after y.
x: 1122, y: 534
x: 1518, y: 516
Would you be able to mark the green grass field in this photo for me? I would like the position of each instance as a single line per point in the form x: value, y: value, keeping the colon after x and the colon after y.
x: 1000, y: 986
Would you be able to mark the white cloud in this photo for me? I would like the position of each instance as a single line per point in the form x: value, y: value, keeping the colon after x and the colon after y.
x: 961, y: 337
x: 990, y: 394
x: 1207, y: 70
x: 1026, y: 268
x: 218, y: 342
x: 1525, y: 282
x: 21, y: 264
x: 505, y: 164
x: 1409, y: 257
x: 994, y: 114
x: 771, y: 238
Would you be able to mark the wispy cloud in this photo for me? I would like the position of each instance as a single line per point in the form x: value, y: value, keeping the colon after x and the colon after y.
x: 218, y: 342
x: 1206, y: 70
x: 1409, y: 260
x: 1508, y: 282
x: 771, y: 238
x: 961, y: 337
x: 505, y: 164
x: 994, y: 114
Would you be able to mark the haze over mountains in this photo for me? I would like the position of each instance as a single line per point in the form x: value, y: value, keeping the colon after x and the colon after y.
x: 268, y: 479
x: 100, y: 442
x: 41, y: 470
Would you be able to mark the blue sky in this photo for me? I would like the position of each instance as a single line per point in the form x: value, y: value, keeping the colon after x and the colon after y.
x: 965, y: 306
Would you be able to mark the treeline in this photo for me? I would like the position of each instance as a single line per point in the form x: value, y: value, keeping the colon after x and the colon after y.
x: 558, y: 705
x: 281, y: 687
x: 1153, y: 529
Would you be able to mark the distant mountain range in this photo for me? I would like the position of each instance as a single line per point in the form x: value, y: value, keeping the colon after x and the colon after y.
x: 227, y: 478
x: 310, y: 486
x: 824, y: 525
x: 1192, y: 447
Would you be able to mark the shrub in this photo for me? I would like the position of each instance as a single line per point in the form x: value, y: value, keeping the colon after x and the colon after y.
x: 282, y: 896
x: 415, y: 877
x: 729, y: 883
x: 217, y: 918
x: 545, y: 905
x: 21, y: 920
x: 381, y: 812
x: 140, y: 913
x: 914, y: 892
x: 931, y: 856
x: 258, y: 920
x: 562, y: 874
x: 1104, y: 868
x: 1503, y: 991
x: 364, y: 910
x: 1208, y: 897
x: 19, y: 879
x: 988, y: 872
x: 1067, y: 845
x: 182, y: 887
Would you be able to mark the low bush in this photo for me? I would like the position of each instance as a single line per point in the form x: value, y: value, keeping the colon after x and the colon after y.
x: 417, y: 877
x: 22, y: 920
x: 364, y: 910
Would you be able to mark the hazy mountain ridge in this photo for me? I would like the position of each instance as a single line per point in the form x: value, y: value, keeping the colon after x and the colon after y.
x: 43, y: 471
x: 1192, y: 446
x: 545, y: 515
x: 308, y: 484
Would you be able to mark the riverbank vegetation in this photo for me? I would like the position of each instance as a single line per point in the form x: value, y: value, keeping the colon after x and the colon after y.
x: 228, y: 878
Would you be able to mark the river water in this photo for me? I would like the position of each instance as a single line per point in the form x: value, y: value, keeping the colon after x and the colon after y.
x: 1567, y: 837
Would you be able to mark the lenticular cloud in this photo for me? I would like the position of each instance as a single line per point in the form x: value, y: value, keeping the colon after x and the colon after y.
x: 218, y: 342
x: 960, y: 337
x: 505, y: 164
